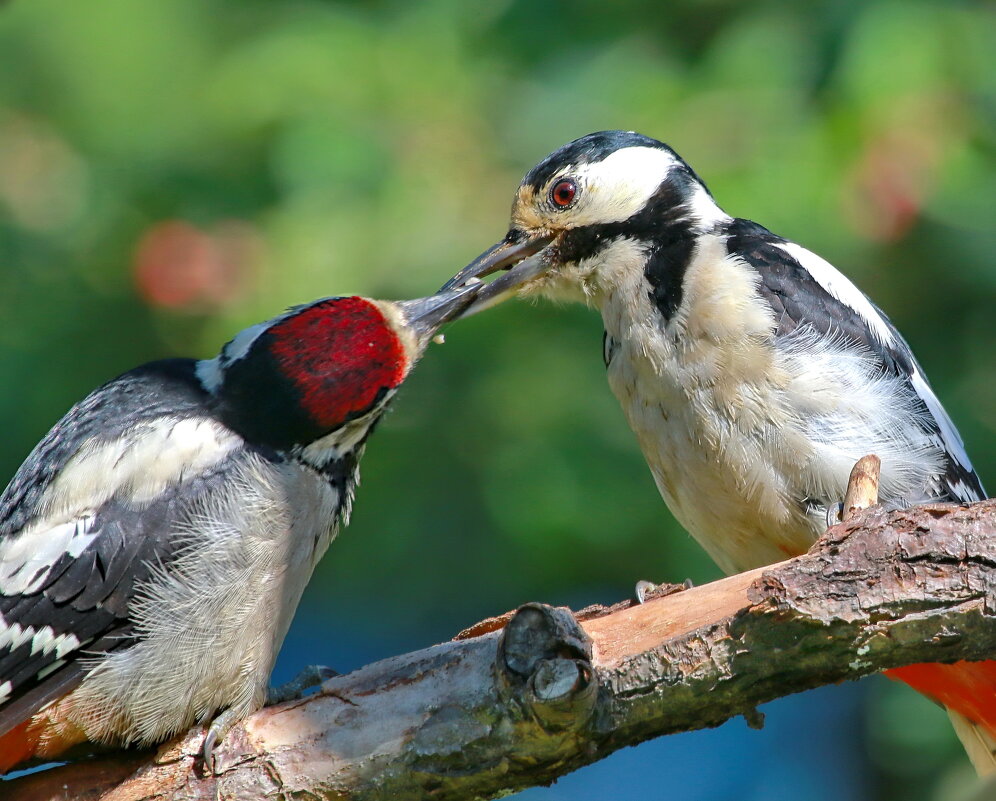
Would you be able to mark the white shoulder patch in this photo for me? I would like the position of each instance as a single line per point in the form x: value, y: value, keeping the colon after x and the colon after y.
x: 137, y: 467
x: 841, y: 287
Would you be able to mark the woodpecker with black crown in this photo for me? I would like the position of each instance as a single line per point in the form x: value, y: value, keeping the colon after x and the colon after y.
x: 753, y: 373
x: 155, y: 544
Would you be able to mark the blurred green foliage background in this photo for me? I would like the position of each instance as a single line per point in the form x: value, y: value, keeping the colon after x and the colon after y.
x: 173, y: 171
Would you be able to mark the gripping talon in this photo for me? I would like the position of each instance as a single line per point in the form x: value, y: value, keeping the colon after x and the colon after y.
x: 647, y: 589
x: 220, y: 726
x: 835, y: 514
x: 643, y: 589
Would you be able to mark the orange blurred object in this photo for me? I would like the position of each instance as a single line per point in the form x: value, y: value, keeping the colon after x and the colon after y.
x: 178, y: 266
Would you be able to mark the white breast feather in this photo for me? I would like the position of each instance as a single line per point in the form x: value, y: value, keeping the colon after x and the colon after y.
x: 745, y: 438
x: 841, y: 288
x: 848, y: 409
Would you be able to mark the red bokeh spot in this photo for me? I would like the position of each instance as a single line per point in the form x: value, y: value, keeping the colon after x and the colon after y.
x: 887, y: 191
x: 178, y: 266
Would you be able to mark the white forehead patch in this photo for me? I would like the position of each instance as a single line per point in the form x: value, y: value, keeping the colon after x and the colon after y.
x: 616, y: 188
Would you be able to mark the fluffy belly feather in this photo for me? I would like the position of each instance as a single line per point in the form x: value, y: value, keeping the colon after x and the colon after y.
x: 210, y: 624
x: 724, y: 477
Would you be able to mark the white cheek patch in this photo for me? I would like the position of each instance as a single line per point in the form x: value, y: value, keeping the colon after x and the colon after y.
x: 211, y: 371
x: 704, y: 210
x: 619, y: 186
x: 841, y: 288
x: 345, y: 439
x: 240, y: 344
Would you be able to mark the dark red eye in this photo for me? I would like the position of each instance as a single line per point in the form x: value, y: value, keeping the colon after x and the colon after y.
x: 563, y: 192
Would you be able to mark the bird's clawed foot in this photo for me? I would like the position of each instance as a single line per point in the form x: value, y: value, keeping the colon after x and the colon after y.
x: 835, y: 514
x: 220, y: 726
x: 645, y: 590
x: 311, y: 676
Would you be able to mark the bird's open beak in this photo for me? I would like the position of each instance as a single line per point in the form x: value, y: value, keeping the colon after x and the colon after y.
x: 427, y: 315
x: 524, y: 260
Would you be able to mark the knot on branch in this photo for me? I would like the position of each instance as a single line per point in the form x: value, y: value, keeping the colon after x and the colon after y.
x: 544, y: 659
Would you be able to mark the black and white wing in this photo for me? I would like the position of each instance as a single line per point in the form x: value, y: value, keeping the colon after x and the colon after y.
x: 808, y: 293
x: 86, y: 519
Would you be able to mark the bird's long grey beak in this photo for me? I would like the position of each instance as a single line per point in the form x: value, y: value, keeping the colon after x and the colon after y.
x: 524, y: 260
x: 427, y: 315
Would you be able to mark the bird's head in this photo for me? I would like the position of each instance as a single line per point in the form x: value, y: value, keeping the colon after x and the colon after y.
x: 590, y: 216
x: 316, y: 379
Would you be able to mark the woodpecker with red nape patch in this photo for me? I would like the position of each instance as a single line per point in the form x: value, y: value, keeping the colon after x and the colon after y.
x: 155, y: 544
x: 753, y: 373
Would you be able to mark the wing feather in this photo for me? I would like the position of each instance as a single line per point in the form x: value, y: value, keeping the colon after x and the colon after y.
x: 74, y: 550
x: 805, y: 291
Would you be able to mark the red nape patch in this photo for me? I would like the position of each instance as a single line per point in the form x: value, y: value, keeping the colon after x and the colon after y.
x: 340, y: 354
x: 966, y: 687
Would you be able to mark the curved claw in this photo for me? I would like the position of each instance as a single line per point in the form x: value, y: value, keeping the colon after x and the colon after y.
x: 835, y: 514
x: 643, y: 589
x: 646, y: 589
x: 220, y: 726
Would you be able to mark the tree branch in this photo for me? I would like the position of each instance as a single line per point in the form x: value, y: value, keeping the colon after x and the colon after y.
x: 546, y: 694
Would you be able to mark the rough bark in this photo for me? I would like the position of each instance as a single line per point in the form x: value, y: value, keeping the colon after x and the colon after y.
x: 520, y: 701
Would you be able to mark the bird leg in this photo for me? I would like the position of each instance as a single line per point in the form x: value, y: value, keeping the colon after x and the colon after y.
x: 309, y: 677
